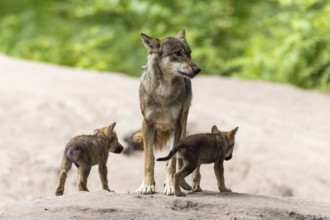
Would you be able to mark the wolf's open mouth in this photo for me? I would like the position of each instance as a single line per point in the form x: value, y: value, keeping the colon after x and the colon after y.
x: 187, y: 75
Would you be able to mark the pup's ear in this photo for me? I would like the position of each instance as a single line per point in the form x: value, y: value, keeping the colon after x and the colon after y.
x: 96, y: 131
x: 181, y: 34
x: 111, y: 127
x: 215, y: 130
x: 233, y: 132
x: 149, y: 42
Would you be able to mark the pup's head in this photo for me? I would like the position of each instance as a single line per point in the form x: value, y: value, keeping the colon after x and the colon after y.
x: 109, y: 134
x: 171, y: 54
x: 229, y: 138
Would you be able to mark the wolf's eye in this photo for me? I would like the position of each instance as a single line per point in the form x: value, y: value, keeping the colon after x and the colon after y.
x: 177, y: 53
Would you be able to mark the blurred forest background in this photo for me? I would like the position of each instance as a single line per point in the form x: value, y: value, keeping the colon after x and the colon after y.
x: 286, y: 41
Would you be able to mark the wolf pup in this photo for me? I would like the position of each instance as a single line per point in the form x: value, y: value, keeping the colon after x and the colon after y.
x: 165, y: 96
x: 198, y: 149
x: 88, y: 150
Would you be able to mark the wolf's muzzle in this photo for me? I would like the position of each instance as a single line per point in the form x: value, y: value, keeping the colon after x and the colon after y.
x: 196, y: 70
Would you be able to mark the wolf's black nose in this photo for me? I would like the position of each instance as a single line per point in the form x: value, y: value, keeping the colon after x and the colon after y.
x: 197, y: 70
x: 229, y: 157
x: 119, y: 149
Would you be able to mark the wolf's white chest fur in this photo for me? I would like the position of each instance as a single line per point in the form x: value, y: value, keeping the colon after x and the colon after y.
x: 163, y: 90
x: 160, y: 112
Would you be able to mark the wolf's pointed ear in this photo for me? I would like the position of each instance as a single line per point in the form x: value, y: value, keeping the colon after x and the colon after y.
x: 149, y: 42
x: 96, y: 131
x: 215, y: 130
x: 233, y: 132
x: 111, y: 127
x: 181, y: 34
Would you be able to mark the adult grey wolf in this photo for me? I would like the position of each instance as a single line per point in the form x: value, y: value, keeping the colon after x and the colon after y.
x: 165, y: 97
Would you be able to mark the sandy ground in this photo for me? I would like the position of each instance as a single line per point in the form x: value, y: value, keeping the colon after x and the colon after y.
x: 283, y: 143
x: 206, y: 205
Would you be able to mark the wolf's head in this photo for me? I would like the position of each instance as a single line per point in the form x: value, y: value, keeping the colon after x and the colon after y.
x: 110, y: 135
x: 171, y: 54
x: 229, y: 139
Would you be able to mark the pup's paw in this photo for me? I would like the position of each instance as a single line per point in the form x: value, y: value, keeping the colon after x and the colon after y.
x: 224, y: 189
x: 197, y: 189
x: 146, y: 189
x: 181, y: 194
x: 109, y: 190
x: 59, y: 192
x: 186, y: 186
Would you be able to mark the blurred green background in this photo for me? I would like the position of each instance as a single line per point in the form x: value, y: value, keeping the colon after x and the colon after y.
x: 285, y: 41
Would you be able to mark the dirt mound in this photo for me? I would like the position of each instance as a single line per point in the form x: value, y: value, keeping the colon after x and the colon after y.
x: 282, y: 144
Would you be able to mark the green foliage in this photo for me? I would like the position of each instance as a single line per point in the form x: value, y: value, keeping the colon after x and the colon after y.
x: 279, y: 40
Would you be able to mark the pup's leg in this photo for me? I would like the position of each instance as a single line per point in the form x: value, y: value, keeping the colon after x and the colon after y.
x: 65, y: 167
x: 103, y: 171
x: 219, y: 173
x: 83, y: 173
x: 184, y: 184
x: 180, y: 175
x: 196, y: 180
x: 148, y: 184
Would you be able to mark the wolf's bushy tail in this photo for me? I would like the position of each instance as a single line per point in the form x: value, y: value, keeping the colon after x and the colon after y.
x: 135, y: 141
x: 175, y: 149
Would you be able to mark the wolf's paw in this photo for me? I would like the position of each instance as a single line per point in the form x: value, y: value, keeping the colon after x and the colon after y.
x: 181, y: 194
x: 146, y: 189
x: 186, y: 186
x: 197, y: 189
x: 224, y: 189
x: 109, y: 190
x: 169, y: 188
x: 59, y: 192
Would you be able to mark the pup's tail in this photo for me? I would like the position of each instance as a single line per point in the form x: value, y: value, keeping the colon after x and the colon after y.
x: 72, y: 155
x: 175, y: 149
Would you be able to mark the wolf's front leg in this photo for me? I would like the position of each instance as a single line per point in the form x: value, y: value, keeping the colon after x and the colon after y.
x: 169, y: 187
x: 183, y: 121
x: 103, y: 172
x: 169, y: 182
x: 148, y: 184
x: 219, y: 173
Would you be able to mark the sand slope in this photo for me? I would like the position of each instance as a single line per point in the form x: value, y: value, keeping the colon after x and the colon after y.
x: 283, y: 141
x: 207, y: 205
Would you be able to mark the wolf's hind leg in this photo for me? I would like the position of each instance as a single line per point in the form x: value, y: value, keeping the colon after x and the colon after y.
x: 184, y: 184
x: 103, y: 171
x: 196, y: 180
x: 83, y: 173
x: 180, y: 175
x: 65, y: 167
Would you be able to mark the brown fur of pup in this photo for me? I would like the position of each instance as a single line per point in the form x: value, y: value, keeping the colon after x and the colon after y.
x: 198, y: 149
x: 88, y: 150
